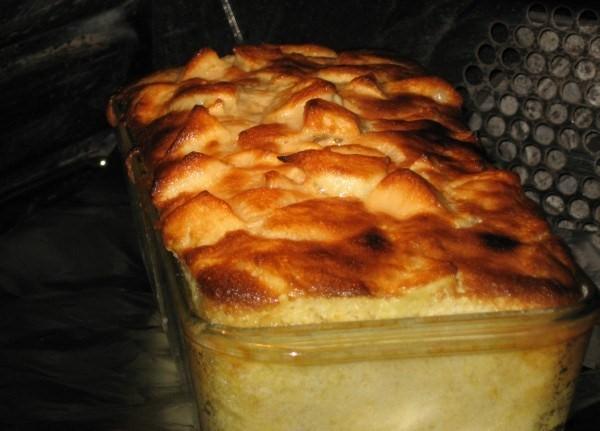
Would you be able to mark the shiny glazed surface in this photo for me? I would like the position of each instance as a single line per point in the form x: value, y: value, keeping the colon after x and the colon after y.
x: 300, y: 185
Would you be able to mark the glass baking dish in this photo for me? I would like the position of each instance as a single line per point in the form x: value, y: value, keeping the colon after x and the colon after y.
x: 487, y: 371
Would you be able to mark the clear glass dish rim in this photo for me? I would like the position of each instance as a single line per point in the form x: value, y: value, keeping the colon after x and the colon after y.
x: 417, y: 336
x: 401, y: 337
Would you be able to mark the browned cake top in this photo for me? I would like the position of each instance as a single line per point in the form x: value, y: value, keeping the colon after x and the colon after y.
x: 286, y: 172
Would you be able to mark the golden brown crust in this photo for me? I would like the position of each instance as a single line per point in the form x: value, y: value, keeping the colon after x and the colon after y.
x: 289, y: 172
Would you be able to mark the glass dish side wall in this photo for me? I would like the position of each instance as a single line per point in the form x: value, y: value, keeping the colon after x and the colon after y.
x: 528, y: 390
x: 162, y: 278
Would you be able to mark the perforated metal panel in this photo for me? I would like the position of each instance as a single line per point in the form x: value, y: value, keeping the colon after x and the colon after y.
x: 533, y: 96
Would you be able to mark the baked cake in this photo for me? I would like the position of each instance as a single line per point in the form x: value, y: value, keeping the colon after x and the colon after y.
x: 300, y: 185
x: 297, y: 185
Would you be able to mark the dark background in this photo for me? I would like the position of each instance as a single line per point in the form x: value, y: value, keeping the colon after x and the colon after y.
x: 75, y: 305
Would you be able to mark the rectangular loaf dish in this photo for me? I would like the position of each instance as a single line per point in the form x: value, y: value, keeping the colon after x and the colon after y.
x: 501, y: 370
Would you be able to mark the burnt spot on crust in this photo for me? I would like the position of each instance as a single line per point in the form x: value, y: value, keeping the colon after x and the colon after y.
x: 499, y: 242
x: 286, y: 159
x: 231, y: 286
x: 374, y: 240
